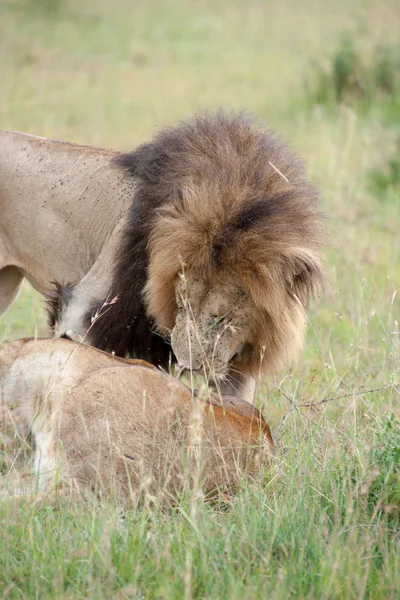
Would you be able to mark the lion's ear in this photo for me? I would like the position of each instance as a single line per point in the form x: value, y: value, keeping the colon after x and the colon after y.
x: 304, y: 275
x: 148, y: 162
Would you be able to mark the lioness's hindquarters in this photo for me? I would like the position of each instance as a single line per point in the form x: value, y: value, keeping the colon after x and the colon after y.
x: 111, y: 425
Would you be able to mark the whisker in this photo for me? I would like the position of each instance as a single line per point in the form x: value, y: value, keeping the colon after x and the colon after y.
x: 231, y: 378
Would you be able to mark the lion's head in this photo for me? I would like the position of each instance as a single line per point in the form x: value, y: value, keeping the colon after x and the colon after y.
x: 234, y: 249
x: 221, y: 254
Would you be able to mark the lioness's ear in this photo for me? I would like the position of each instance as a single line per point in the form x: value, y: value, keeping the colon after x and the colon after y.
x: 148, y: 162
x: 304, y: 275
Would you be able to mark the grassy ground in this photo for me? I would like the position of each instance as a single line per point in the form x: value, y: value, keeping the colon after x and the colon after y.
x: 324, y: 523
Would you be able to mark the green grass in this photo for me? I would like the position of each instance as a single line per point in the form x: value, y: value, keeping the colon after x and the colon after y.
x: 324, y: 523
x: 349, y: 78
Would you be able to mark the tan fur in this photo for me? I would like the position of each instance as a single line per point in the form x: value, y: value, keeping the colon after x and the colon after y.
x: 123, y: 427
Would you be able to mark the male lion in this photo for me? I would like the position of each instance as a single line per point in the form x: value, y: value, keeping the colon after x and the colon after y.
x: 207, y: 239
x: 112, y: 425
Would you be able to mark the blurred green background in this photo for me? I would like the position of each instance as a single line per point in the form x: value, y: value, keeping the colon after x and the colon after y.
x: 325, y: 75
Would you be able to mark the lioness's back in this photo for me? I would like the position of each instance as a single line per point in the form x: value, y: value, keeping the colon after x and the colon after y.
x: 137, y: 425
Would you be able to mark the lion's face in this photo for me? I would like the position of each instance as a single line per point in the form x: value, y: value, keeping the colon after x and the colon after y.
x: 212, y: 326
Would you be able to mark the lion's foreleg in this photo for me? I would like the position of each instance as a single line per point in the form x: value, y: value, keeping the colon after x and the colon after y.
x: 75, y: 315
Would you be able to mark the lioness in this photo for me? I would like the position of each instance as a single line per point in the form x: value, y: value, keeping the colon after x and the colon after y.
x: 207, y: 239
x: 113, y: 425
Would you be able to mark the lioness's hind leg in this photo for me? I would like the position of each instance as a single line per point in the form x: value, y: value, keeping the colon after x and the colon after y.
x: 10, y: 282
